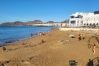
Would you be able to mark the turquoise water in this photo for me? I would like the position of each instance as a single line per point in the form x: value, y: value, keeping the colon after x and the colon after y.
x: 13, y: 33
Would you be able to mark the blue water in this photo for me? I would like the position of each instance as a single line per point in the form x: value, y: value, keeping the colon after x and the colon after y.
x: 13, y: 33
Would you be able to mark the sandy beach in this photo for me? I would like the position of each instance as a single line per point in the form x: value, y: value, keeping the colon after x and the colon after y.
x: 54, y: 48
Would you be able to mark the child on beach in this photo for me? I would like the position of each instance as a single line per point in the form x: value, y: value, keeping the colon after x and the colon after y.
x: 94, y: 49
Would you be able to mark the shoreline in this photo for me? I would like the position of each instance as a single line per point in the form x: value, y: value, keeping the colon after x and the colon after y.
x: 54, y: 48
x: 21, y: 39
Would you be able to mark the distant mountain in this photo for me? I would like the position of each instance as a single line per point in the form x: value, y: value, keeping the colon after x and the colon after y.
x: 34, y: 22
x: 12, y: 23
x: 19, y: 23
x: 29, y: 23
x: 50, y: 22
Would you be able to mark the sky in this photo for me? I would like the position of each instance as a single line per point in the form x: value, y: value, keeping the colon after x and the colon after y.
x: 45, y: 10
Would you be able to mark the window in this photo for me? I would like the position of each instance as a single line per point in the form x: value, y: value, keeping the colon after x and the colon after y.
x: 97, y: 24
x: 72, y: 22
x: 79, y: 16
x: 90, y: 24
x: 71, y: 16
x: 87, y: 24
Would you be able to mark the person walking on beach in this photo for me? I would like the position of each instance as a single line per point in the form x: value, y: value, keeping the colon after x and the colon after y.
x: 94, y: 49
x: 79, y: 38
x: 90, y: 63
x: 83, y: 37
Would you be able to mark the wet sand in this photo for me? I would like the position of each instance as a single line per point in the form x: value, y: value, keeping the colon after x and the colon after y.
x: 55, y: 48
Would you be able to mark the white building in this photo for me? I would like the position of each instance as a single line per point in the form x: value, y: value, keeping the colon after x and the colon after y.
x: 84, y: 19
x: 55, y: 24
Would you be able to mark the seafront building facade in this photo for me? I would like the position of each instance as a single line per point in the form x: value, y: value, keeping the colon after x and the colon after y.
x: 57, y: 24
x: 84, y: 19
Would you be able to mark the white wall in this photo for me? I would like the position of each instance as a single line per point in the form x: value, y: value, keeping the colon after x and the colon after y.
x: 87, y: 18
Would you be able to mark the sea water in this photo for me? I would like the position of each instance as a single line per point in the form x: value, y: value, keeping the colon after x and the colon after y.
x: 14, y: 33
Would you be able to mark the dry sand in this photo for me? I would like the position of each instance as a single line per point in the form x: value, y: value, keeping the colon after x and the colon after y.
x: 56, y: 49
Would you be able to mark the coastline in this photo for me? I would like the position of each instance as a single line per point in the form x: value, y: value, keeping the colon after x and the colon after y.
x: 32, y: 31
x: 23, y: 39
x: 55, y: 48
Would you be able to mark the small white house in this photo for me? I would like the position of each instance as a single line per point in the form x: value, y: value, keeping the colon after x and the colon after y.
x: 84, y: 19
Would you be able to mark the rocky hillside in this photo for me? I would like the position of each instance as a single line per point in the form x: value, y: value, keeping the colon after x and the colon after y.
x: 19, y: 23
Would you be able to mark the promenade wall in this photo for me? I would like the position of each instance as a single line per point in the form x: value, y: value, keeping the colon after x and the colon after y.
x: 79, y: 29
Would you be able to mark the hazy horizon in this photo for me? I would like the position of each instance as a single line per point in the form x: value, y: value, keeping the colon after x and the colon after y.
x: 45, y: 10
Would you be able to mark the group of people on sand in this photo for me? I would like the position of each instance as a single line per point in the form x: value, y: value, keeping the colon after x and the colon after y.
x: 81, y: 37
x: 91, y: 62
x: 40, y: 33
